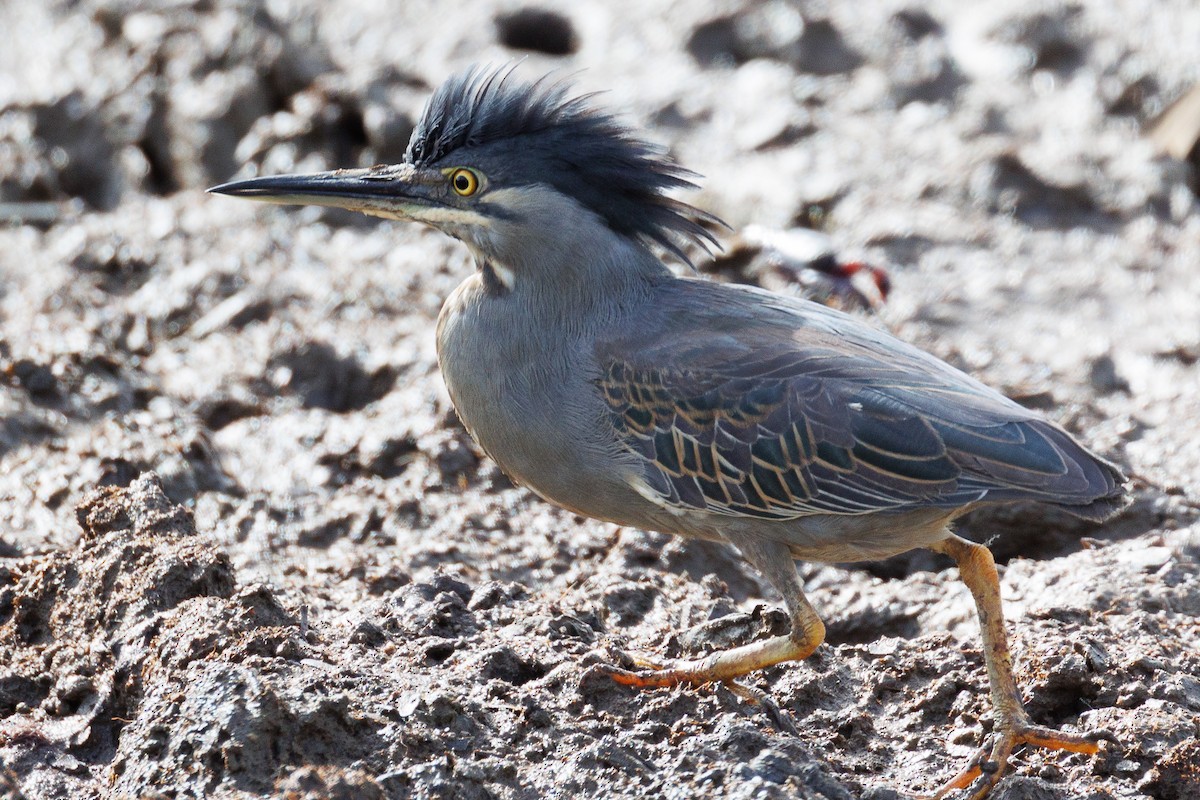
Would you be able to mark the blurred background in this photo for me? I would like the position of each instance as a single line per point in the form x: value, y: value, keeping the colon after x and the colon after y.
x: 102, y: 100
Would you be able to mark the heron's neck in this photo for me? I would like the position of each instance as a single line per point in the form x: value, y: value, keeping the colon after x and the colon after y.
x: 563, y: 264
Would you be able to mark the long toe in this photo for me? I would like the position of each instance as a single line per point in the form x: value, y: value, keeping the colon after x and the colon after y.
x: 723, y: 665
x: 632, y: 661
x: 983, y: 771
x: 696, y: 672
x: 654, y: 675
x: 781, y: 720
x: 1054, y: 739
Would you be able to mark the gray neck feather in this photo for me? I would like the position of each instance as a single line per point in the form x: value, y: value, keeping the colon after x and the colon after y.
x: 566, y: 264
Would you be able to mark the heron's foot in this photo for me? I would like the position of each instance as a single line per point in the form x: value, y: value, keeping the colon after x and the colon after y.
x: 724, y: 665
x: 629, y: 662
x: 649, y: 673
x: 645, y: 672
x: 779, y: 718
x: 983, y: 771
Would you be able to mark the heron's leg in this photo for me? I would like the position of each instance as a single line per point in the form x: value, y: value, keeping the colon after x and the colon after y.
x: 1013, y: 726
x: 777, y: 566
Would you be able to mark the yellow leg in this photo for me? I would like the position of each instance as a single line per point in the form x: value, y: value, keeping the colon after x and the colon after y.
x: 776, y: 564
x: 1013, y: 726
x: 727, y: 664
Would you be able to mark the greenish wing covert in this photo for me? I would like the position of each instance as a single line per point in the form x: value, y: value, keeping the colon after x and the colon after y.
x: 810, y: 433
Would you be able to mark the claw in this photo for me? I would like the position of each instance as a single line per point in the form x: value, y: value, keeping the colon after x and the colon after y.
x: 642, y: 661
x: 778, y: 718
x: 970, y: 771
x: 986, y: 767
x: 670, y: 673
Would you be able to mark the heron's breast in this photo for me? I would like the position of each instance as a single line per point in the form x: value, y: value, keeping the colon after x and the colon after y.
x: 530, y: 403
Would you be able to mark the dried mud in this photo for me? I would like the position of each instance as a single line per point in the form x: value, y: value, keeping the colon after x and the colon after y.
x: 246, y: 549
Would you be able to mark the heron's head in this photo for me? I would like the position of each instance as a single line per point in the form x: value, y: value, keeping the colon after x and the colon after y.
x: 512, y: 169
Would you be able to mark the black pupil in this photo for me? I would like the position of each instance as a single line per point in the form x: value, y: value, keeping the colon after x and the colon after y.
x: 462, y: 182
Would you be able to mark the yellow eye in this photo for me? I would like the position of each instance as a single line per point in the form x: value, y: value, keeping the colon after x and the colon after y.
x: 464, y: 181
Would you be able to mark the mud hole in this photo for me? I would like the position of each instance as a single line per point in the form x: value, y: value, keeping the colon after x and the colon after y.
x: 247, y: 550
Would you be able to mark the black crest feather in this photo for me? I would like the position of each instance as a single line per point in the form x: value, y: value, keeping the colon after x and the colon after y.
x: 539, y: 133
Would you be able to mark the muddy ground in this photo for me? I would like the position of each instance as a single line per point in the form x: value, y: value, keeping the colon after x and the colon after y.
x: 246, y: 550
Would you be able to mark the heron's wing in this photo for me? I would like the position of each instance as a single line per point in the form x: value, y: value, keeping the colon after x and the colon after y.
x: 780, y: 424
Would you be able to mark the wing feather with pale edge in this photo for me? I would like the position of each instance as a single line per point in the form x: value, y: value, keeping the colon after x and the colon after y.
x: 790, y: 430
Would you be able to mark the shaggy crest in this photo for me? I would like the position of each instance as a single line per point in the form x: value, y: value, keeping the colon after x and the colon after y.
x: 538, y: 133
